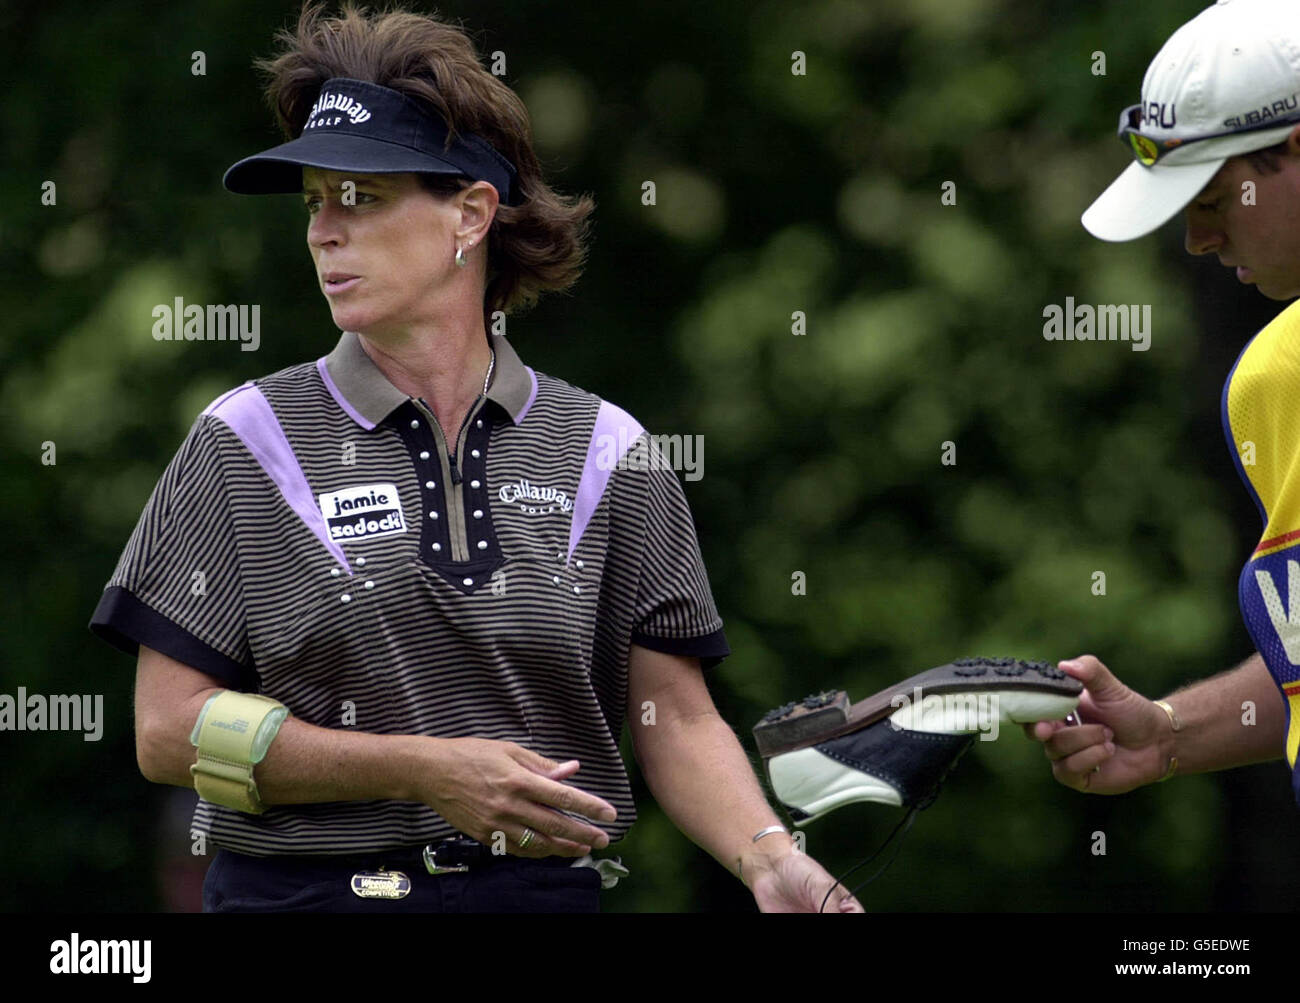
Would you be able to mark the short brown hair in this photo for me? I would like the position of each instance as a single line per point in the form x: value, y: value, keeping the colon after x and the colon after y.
x: 1267, y: 160
x: 536, y: 246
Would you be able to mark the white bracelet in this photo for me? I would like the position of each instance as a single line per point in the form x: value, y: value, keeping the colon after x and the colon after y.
x: 740, y: 869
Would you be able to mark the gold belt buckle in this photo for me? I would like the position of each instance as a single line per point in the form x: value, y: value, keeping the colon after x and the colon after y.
x: 381, y: 884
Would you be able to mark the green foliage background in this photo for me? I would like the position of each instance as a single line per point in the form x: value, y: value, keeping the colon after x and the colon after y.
x: 776, y: 193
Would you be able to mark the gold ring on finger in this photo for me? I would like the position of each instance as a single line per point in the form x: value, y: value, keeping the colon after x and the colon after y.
x: 526, y: 838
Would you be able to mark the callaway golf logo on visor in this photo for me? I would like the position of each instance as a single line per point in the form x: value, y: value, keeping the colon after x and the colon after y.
x: 354, y: 109
x: 357, y: 126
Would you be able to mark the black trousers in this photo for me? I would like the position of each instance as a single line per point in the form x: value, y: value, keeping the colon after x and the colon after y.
x: 238, y: 883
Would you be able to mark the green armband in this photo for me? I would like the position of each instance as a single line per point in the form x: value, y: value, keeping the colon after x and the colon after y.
x: 233, y: 732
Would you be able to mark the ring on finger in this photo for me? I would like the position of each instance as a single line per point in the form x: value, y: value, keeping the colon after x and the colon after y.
x: 526, y: 838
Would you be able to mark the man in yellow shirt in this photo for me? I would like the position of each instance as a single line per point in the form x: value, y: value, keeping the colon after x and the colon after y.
x: 1217, y: 137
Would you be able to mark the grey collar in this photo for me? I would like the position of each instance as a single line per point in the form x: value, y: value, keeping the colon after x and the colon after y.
x: 365, y: 393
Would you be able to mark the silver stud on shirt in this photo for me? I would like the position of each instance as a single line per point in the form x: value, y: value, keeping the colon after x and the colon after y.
x: 474, y: 453
x: 433, y: 515
x: 430, y: 485
x: 370, y: 585
x: 469, y: 581
x: 479, y: 423
x: 345, y: 597
x: 556, y: 579
x: 473, y: 484
x: 437, y: 547
x: 577, y: 590
x: 482, y: 545
x: 478, y: 513
x: 361, y: 562
x: 415, y: 423
x: 335, y: 572
x: 579, y: 565
x: 424, y: 454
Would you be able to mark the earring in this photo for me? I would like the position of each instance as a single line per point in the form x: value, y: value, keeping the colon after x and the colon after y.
x: 461, y: 260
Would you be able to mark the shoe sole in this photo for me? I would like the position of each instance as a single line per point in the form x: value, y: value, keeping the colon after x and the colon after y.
x: 828, y: 715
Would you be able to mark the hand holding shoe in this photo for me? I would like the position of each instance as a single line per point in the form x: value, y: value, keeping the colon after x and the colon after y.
x: 1118, y: 747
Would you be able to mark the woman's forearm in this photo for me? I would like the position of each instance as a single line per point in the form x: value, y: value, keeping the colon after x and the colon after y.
x: 699, y: 774
x: 304, y: 764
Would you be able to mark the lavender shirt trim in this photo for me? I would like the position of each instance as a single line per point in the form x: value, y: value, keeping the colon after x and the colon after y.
x: 614, y: 432
x: 248, y: 414
x: 339, y: 399
x: 531, y: 397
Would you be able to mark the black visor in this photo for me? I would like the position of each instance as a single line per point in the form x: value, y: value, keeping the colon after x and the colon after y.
x: 362, y: 127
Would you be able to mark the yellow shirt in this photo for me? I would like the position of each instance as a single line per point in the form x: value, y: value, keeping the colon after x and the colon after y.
x: 1261, y: 418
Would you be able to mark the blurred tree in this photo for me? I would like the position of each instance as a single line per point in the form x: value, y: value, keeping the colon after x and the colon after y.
x: 778, y: 193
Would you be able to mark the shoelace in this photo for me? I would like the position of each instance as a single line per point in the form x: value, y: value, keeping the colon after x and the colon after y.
x: 899, y: 831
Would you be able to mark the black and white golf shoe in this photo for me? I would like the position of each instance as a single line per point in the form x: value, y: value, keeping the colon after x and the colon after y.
x: 897, y: 746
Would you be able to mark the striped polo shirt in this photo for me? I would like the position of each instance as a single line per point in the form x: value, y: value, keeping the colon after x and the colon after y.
x: 318, y: 540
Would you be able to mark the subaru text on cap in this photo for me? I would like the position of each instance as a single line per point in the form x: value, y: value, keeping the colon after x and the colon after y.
x: 368, y: 129
x: 1225, y: 83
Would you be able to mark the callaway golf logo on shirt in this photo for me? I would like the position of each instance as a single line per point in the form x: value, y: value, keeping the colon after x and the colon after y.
x: 366, y: 512
x: 532, y: 498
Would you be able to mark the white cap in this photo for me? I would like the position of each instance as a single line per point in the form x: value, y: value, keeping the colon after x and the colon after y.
x: 1233, y: 66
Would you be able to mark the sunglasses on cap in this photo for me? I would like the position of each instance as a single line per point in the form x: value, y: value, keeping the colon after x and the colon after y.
x: 1148, y: 150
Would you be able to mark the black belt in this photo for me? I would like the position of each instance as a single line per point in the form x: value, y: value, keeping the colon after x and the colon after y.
x: 450, y: 856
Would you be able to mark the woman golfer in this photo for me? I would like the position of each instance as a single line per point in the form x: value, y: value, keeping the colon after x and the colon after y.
x: 393, y: 605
